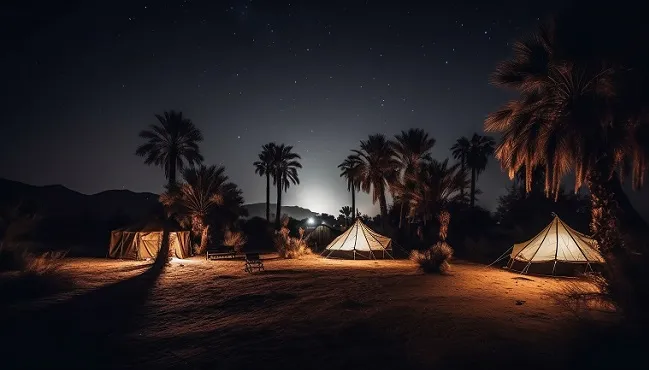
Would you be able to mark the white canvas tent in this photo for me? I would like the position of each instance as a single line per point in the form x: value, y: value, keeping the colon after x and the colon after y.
x: 359, y: 240
x: 556, y: 244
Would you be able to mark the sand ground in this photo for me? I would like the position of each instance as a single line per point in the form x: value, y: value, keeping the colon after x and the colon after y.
x: 311, y: 313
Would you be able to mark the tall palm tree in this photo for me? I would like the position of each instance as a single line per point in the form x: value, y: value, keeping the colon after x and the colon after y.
x: 480, y: 148
x: 285, y: 166
x: 411, y: 150
x: 579, y: 113
x: 203, y: 191
x: 377, y: 168
x: 264, y: 167
x: 347, y: 213
x: 460, y: 151
x: 172, y: 144
x: 350, y: 171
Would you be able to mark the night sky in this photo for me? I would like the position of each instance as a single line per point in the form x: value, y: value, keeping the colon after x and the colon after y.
x: 81, y: 79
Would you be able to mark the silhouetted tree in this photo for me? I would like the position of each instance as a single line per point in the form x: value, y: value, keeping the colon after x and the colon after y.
x: 171, y: 144
x: 203, y: 192
x: 460, y: 152
x: 480, y: 148
x: 350, y: 171
x: 346, y: 212
x: 377, y: 170
x: 264, y: 167
x: 411, y: 149
x: 285, y: 166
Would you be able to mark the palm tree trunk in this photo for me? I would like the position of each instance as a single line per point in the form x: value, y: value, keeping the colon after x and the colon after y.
x: 401, y: 214
x: 172, y: 170
x: 625, y: 279
x: 472, y: 187
x: 384, y: 209
x: 462, y: 164
x: 162, y: 259
x: 278, y: 213
x: 353, y: 204
x: 268, y: 197
x: 204, y: 238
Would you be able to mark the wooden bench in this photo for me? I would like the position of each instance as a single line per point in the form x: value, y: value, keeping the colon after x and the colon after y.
x: 253, y: 262
x: 221, y: 252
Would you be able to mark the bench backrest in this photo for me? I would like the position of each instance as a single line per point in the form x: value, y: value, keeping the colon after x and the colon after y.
x: 252, y: 256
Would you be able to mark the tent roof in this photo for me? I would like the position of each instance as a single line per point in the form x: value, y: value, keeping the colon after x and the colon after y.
x: 322, y: 228
x: 359, y: 237
x: 558, y: 242
x: 152, y: 225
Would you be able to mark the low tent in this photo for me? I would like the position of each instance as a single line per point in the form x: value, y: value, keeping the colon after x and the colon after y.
x: 359, y: 240
x: 321, y: 236
x: 555, y: 248
x: 143, y: 241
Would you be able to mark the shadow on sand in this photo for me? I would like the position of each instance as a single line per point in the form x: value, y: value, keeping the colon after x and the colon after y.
x: 82, y: 332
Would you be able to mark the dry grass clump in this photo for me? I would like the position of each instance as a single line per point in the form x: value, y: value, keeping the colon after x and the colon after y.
x: 290, y: 247
x: 434, y: 259
x: 235, y: 240
x: 581, y: 300
x: 32, y: 274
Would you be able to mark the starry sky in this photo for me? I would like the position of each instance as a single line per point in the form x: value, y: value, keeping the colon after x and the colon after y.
x: 82, y: 78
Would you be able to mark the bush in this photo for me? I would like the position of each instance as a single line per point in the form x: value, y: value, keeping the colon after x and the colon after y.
x: 435, y: 259
x: 17, y: 258
x: 234, y: 239
x: 290, y: 247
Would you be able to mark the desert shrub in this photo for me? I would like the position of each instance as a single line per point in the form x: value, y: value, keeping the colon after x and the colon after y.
x: 583, y: 299
x: 434, y: 259
x: 33, y: 275
x: 290, y: 247
x: 234, y: 239
x: 48, y: 263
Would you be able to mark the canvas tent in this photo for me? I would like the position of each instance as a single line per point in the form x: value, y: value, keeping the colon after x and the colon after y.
x: 143, y: 241
x: 320, y: 236
x: 556, y: 246
x: 360, y: 241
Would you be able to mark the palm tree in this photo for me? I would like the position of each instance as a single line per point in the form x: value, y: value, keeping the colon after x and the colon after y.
x: 411, y: 149
x: 350, y: 171
x: 264, y: 167
x: 172, y: 144
x: 285, y: 166
x: 203, y: 192
x: 435, y: 185
x: 377, y: 169
x: 460, y: 152
x: 480, y: 148
x: 577, y: 113
x: 346, y: 211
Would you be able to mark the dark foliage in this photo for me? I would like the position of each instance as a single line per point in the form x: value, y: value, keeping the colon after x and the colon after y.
x: 259, y: 233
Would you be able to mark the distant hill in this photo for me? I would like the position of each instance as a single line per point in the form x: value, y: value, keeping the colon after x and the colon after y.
x: 259, y: 210
x: 59, y: 201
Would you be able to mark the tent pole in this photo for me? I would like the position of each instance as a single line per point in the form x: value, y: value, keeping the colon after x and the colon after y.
x: 578, y: 247
x: 528, y: 244
x: 527, y: 268
x: 556, y: 247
